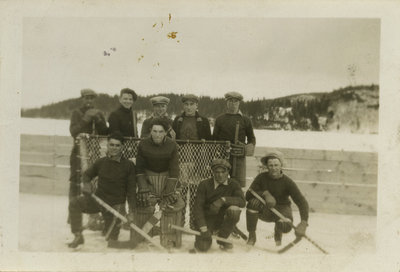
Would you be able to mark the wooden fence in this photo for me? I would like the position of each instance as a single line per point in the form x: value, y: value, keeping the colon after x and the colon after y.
x: 332, y: 181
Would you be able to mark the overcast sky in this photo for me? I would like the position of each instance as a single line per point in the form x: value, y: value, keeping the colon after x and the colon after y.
x: 259, y: 57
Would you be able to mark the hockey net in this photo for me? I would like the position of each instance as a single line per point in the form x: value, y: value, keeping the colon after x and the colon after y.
x: 195, y: 158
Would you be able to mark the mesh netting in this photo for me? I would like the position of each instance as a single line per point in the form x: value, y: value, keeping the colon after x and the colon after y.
x: 195, y: 158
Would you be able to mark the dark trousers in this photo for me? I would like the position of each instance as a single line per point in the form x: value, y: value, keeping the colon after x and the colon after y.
x: 223, y: 222
x: 86, y: 204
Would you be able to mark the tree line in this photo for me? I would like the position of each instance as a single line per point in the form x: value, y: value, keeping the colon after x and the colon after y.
x: 294, y: 112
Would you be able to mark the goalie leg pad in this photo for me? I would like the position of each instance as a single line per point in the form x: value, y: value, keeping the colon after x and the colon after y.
x: 170, y: 237
x: 141, y: 216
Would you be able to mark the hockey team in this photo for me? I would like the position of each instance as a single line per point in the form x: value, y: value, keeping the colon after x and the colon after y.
x: 154, y: 178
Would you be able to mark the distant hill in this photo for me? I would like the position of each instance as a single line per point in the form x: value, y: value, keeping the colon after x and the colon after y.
x: 351, y: 109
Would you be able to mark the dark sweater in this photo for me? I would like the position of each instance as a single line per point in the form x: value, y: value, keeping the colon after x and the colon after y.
x: 158, y: 158
x: 206, y: 195
x: 225, y: 126
x: 122, y: 120
x: 280, y: 189
x: 116, y: 180
x: 202, y: 125
x: 78, y: 125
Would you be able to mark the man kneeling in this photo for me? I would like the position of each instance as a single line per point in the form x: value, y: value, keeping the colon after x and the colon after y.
x: 217, y: 206
x: 275, y: 188
x: 116, y: 184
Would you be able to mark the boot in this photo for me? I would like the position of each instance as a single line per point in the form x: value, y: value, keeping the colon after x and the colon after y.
x: 78, y: 240
x: 252, y: 238
x: 251, y: 222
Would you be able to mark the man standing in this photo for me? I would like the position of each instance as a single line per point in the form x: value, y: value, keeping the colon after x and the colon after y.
x: 157, y: 178
x: 160, y: 104
x: 89, y: 120
x: 190, y: 126
x: 275, y: 187
x: 217, y: 206
x: 116, y: 184
x: 234, y: 127
x: 124, y: 119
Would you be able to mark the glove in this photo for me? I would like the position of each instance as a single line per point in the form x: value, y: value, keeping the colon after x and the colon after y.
x: 269, y: 199
x: 205, y: 233
x: 237, y: 150
x: 300, y: 230
x: 87, y: 188
x: 216, y: 206
x: 170, y: 198
x: 90, y: 115
x: 143, y: 191
x: 143, y: 198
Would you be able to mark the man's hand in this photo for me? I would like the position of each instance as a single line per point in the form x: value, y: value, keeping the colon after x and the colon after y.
x: 90, y: 114
x: 87, y: 188
x: 143, y: 197
x: 237, y: 150
x: 269, y: 199
x: 216, y: 205
x: 249, y: 149
x: 300, y: 230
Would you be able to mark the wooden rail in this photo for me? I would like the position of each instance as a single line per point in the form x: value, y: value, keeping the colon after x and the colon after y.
x: 332, y: 181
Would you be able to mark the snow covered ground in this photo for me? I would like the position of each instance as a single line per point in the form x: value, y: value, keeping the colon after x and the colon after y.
x: 43, y: 228
x: 269, y: 138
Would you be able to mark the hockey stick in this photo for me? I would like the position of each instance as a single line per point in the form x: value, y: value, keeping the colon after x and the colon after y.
x: 275, y: 211
x: 123, y: 219
x: 234, y: 157
x: 197, y: 233
x: 110, y: 228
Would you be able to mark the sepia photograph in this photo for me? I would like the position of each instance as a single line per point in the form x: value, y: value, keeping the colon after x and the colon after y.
x: 168, y: 142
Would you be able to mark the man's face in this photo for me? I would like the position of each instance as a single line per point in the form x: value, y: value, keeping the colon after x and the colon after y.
x: 114, y: 147
x: 160, y: 109
x: 189, y: 107
x: 126, y: 100
x: 274, y: 167
x: 88, y: 100
x: 220, y: 174
x: 233, y: 105
x: 158, y: 133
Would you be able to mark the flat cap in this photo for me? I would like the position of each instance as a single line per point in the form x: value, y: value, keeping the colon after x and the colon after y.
x: 159, y: 100
x: 129, y: 91
x: 234, y: 95
x: 275, y: 154
x: 86, y: 92
x: 220, y: 163
x: 190, y: 97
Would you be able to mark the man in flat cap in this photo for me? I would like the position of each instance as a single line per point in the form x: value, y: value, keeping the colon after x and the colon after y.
x: 116, y: 185
x: 233, y: 126
x: 89, y: 120
x: 160, y: 104
x: 275, y: 188
x: 217, y: 206
x: 190, y: 126
x: 124, y: 118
